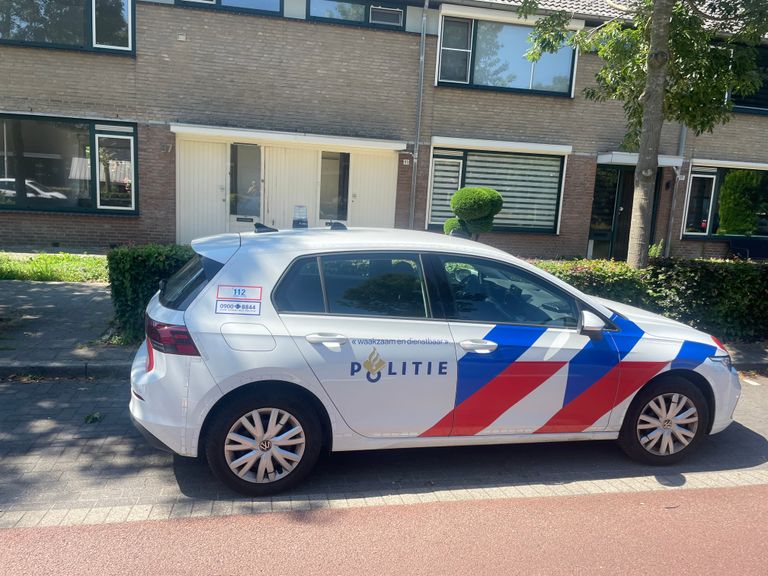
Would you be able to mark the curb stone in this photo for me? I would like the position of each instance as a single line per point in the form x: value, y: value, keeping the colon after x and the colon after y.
x: 67, y: 369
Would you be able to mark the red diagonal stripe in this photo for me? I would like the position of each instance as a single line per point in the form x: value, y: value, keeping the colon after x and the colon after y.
x: 507, y: 389
x: 601, y: 397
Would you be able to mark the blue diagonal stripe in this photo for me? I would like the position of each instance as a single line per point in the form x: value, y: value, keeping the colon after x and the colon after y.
x: 476, y: 370
x: 692, y: 354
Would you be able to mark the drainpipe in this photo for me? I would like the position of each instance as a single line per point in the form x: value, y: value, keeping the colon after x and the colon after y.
x: 419, y: 98
x: 681, y: 154
x: 5, y: 152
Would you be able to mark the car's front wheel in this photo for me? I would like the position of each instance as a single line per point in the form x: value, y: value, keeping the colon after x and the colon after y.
x: 263, y: 444
x: 665, y: 421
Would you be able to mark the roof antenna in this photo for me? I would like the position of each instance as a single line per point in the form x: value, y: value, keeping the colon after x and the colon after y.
x: 336, y: 225
x: 259, y: 228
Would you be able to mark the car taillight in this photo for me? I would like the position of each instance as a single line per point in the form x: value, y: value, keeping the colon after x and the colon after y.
x: 169, y: 339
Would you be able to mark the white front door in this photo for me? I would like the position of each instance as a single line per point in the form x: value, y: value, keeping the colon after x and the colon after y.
x: 372, y: 189
x: 291, y: 178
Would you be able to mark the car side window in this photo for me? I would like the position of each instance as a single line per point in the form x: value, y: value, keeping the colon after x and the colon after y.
x: 488, y: 291
x: 374, y: 284
x: 300, y: 290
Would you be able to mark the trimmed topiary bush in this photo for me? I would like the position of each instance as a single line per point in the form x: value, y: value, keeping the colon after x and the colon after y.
x: 475, y: 209
x: 134, y: 276
x: 451, y: 225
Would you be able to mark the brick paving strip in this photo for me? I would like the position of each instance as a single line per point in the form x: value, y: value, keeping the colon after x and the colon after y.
x: 57, y: 470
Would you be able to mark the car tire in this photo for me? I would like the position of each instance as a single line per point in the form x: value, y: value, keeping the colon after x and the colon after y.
x: 669, y: 410
x: 235, y: 450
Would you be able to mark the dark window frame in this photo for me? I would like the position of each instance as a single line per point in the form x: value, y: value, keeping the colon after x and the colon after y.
x: 217, y: 5
x: 761, y: 94
x: 472, y: 55
x: 94, y: 210
x: 366, y: 23
x: 89, y: 33
x: 719, y: 177
x: 496, y: 228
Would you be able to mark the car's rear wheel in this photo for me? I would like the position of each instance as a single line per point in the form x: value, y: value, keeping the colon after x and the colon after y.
x: 665, y: 421
x: 264, y: 444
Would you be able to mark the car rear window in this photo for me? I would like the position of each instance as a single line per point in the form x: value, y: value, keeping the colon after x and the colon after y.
x: 181, y: 288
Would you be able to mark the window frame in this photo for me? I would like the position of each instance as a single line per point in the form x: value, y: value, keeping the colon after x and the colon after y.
x: 96, y: 127
x: 89, y: 35
x: 448, y: 303
x: 717, y: 172
x: 131, y: 138
x: 470, y: 50
x: 439, y: 154
x: 366, y: 23
x: 415, y: 255
x: 217, y: 5
x: 471, y: 75
x: 715, y: 178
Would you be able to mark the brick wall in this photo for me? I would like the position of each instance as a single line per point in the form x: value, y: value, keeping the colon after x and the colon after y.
x: 270, y: 73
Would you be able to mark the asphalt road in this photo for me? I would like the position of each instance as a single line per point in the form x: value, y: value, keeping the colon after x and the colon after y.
x: 707, y: 531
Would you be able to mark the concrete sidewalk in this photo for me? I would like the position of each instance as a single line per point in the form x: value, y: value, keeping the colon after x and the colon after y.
x: 54, y: 329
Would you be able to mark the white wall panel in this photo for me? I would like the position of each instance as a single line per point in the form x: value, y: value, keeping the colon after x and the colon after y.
x: 372, y: 189
x: 201, y: 179
x: 291, y: 178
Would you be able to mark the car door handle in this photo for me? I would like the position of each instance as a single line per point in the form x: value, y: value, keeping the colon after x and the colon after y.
x: 479, y: 346
x: 326, y: 338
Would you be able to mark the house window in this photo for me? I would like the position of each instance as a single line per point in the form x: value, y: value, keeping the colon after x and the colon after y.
x: 83, y: 24
x: 758, y: 102
x: 361, y: 13
x: 492, y: 55
x: 334, y: 185
x: 727, y: 201
x: 529, y: 183
x: 46, y: 165
x: 263, y: 6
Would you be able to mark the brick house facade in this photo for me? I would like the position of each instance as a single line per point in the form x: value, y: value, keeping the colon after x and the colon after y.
x: 325, y: 113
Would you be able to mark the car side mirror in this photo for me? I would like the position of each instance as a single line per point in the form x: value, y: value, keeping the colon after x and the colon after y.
x: 591, y: 324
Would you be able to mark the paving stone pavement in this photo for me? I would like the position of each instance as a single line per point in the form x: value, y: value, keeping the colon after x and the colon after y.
x: 56, y: 325
x: 57, y: 470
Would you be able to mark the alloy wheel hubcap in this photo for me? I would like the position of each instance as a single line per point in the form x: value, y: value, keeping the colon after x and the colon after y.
x: 667, y: 424
x: 264, y: 445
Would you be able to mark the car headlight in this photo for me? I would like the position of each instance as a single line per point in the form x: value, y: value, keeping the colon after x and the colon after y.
x: 724, y: 359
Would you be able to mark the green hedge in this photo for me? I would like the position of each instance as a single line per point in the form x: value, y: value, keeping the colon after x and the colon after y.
x: 727, y: 298
x: 134, y: 275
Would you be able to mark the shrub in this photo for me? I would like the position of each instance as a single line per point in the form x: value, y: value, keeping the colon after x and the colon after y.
x: 134, y: 275
x: 451, y: 224
x: 475, y: 209
x: 738, y: 202
x: 604, y: 278
x: 728, y: 298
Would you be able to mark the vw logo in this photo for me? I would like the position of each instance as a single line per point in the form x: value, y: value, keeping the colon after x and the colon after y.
x: 265, y: 445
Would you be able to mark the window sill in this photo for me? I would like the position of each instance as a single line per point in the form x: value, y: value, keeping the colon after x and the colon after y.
x: 118, y: 213
x: 505, y: 230
x: 444, y: 84
x: 720, y: 238
x: 750, y: 111
x: 67, y: 48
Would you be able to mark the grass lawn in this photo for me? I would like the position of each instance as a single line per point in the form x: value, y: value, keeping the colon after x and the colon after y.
x: 53, y: 267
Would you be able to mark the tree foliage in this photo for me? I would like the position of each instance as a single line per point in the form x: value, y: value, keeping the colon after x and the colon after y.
x: 739, y: 197
x: 711, y: 54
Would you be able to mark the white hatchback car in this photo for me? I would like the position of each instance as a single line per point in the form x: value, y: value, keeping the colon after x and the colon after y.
x: 268, y: 348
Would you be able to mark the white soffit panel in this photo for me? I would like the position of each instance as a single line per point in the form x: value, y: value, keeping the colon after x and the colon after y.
x: 504, y: 16
x: 630, y: 159
x: 500, y: 146
x: 283, y: 138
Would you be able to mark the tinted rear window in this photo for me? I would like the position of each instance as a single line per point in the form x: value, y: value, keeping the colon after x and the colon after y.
x: 181, y: 288
x: 300, y: 289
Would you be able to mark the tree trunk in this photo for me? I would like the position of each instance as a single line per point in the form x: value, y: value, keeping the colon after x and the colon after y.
x: 652, y: 101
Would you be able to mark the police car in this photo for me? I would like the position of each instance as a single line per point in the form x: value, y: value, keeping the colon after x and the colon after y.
x: 267, y: 349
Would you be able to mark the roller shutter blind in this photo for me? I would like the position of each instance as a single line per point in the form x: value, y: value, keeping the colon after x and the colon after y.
x: 529, y: 184
x: 446, y: 179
